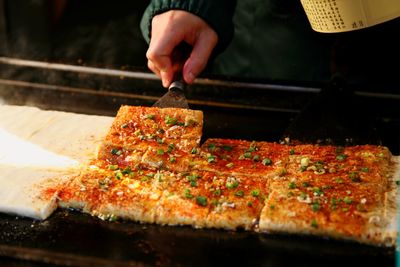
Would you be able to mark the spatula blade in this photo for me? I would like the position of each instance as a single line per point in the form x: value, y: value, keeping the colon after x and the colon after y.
x: 174, y: 98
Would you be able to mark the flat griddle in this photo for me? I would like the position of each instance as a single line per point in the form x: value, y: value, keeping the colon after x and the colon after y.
x: 267, y: 112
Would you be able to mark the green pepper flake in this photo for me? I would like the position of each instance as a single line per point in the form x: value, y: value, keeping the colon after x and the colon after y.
x: 315, y: 206
x: 211, y: 147
x: 119, y: 175
x: 314, y: 223
x: 149, y: 116
x: 172, y: 159
x: 355, y: 177
x: 239, y: 193
x: 227, y: 148
x: 217, y: 192
x: 365, y: 169
x: 170, y: 148
x: 292, y: 185
x: 292, y: 152
x: 170, y: 120
x: 339, y: 180
x: 266, y: 161
x: 127, y: 171
x: 194, y: 151
x: 256, y: 158
x: 255, y: 192
x: 160, y: 151
x: 210, y: 158
x: 347, y: 200
x: 229, y: 165
x: 113, y: 167
x: 123, y: 126
x: 187, y: 194
x: 116, y: 151
x: 341, y: 157
x: 202, y: 201
x: 272, y: 206
x: 306, y: 184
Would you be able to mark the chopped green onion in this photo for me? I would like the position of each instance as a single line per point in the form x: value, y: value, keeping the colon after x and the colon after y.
x: 305, y: 184
x: 211, y: 147
x: 239, y: 193
x: 317, y: 191
x: 229, y: 165
x: 339, y: 180
x: 315, y: 206
x: 160, y: 151
x: 159, y: 140
x: 172, y: 159
x: 292, y: 152
x: 194, y: 151
x: 232, y: 184
x: 127, y: 170
x: 193, y: 183
x: 170, y: 148
x: 116, y: 152
x: 266, y: 161
x: 119, y: 175
x: 246, y: 155
x: 150, y: 116
x: 217, y: 192
x: 355, y: 177
x: 123, y: 126
x: 227, y: 148
x: 272, y: 206
x: 202, y: 201
x: 365, y: 169
x: 187, y: 194
x: 292, y: 185
x: 249, y: 204
x: 255, y: 192
x: 210, y: 159
x: 113, y: 167
x: 341, y: 157
x: 256, y: 158
x: 347, y: 200
x: 314, y: 223
x: 170, y: 120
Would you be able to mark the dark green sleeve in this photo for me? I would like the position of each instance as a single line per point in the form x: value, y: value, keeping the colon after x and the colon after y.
x: 217, y: 13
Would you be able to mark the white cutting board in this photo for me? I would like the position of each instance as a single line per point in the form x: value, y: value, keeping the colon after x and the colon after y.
x: 40, y: 149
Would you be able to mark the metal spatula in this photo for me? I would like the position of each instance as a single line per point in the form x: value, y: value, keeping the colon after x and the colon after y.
x: 175, y: 97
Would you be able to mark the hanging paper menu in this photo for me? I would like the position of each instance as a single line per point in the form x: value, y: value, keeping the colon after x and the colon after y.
x: 347, y: 15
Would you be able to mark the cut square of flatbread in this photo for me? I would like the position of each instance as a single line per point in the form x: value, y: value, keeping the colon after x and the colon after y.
x: 113, y: 193
x: 325, y: 205
x: 134, y: 128
x: 243, y: 157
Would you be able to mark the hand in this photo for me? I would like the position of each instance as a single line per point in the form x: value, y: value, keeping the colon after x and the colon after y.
x: 170, y: 29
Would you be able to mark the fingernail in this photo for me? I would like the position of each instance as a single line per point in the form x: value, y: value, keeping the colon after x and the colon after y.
x: 190, y: 77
